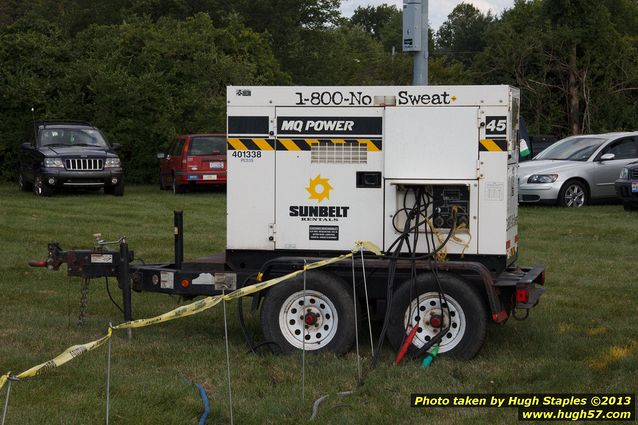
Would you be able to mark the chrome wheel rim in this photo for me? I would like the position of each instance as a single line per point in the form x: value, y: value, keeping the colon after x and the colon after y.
x: 424, y: 310
x: 574, y: 196
x: 311, y: 318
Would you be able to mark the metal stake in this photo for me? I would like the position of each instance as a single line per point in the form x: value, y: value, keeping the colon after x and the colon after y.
x: 84, y: 300
x: 230, y: 393
x: 108, y: 378
x: 6, y: 400
x: 356, y: 321
x: 303, y: 339
x: 365, y: 287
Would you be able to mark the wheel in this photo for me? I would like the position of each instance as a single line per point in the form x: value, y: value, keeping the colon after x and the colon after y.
x: 322, y: 320
x: 118, y: 189
x: 161, y: 182
x: 40, y: 188
x: 23, y: 184
x: 628, y: 206
x: 573, y: 194
x: 177, y: 188
x: 462, y: 309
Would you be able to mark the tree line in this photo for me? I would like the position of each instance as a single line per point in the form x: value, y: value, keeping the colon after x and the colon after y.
x: 146, y: 70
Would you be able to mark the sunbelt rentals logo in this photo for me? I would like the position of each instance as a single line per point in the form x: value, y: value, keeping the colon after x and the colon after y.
x: 319, y: 189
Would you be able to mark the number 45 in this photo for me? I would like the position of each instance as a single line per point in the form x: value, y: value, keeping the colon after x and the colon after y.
x: 496, y: 126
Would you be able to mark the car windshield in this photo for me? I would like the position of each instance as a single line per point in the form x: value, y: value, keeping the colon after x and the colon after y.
x: 72, y: 137
x: 207, y: 146
x: 571, y: 149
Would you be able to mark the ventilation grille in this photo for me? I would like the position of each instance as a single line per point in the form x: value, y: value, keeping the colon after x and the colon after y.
x: 84, y: 164
x: 339, y: 153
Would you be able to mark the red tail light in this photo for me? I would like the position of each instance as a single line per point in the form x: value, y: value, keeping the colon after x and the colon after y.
x: 522, y: 296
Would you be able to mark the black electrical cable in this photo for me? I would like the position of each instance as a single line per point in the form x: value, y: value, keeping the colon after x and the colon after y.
x: 391, y: 275
x: 240, y: 314
x: 108, y: 291
x: 423, y: 201
x: 252, y: 347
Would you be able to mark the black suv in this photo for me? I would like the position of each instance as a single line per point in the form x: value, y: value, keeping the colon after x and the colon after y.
x: 69, y: 154
x: 627, y: 186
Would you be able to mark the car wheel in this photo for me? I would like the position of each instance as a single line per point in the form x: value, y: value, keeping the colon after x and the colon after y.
x: 161, y: 182
x: 320, y: 319
x: 23, y: 184
x: 460, y: 310
x: 118, y: 189
x: 40, y: 188
x: 629, y: 206
x: 573, y: 194
x: 177, y: 188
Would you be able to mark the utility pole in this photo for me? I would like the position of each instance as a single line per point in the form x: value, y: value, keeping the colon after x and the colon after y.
x: 415, y: 38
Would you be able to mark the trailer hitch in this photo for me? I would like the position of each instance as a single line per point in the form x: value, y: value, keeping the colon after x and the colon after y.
x: 94, y: 263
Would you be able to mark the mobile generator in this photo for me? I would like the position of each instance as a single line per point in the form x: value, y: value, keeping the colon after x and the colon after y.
x: 426, y: 173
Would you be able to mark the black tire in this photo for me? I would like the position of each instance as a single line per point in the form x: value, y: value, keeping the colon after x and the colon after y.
x: 161, y: 182
x: 40, y: 188
x: 467, y: 311
x: 629, y: 206
x: 177, y: 188
x: 329, y: 302
x: 573, y: 194
x: 23, y: 184
x: 118, y: 189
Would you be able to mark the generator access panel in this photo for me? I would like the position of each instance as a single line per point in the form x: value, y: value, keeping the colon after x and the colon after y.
x: 318, y: 168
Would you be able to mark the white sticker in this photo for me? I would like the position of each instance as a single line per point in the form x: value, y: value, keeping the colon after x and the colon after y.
x: 166, y: 280
x: 494, y: 191
x: 203, y: 279
x: 102, y: 258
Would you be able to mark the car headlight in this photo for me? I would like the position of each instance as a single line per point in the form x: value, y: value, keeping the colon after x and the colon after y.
x: 542, y: 178
x: 624, y: 174
x: 53, y: 163
x: 112, y: 163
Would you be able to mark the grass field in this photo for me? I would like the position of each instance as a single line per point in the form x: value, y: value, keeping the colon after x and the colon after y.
x: 582, y: 338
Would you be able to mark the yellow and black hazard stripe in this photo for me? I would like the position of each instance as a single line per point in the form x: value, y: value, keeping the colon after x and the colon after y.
x: 493, y: 145
x: 251, y: 144
x: 283, y: 144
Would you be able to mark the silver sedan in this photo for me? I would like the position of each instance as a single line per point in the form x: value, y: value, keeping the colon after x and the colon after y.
x: 575, y: 170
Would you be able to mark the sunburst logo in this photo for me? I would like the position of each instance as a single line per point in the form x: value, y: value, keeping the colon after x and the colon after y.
x: 319, y: 188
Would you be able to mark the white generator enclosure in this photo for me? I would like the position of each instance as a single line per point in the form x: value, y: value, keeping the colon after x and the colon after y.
x: 318, y: 168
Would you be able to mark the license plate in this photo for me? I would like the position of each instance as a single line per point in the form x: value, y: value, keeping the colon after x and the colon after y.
x: 634, y: 187
x: 210, y: 176
x: 216, y: 165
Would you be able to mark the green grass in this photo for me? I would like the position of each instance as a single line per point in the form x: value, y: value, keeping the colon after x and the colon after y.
x: 581, y: 338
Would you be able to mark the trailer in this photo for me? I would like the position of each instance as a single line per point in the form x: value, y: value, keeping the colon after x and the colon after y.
x: 426, y: 173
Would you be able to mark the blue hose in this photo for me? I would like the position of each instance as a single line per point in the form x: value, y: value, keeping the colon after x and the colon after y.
x: 202, y: 394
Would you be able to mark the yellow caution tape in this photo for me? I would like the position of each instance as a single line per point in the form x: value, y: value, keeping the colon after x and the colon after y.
x: 369, y: 246
x: 183, y: 311
x: 66, y: 356
x: 4, y: 379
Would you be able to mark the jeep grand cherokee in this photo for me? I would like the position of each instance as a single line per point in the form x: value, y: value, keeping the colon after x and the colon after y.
x: 69, y: 154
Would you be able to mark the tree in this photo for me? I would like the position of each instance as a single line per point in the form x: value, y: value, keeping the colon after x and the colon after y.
x: 372, y: 19
x: 462, y: 36
x: 575, y: 61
